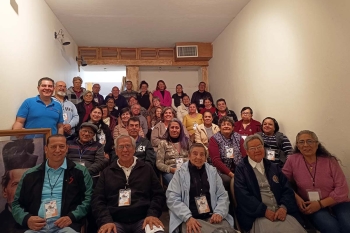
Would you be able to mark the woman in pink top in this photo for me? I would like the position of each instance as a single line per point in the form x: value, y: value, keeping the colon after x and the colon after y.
x: 163, y: 95
x: 322, y: 191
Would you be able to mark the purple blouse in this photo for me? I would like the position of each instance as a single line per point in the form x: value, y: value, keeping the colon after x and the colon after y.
x: 328, y: 177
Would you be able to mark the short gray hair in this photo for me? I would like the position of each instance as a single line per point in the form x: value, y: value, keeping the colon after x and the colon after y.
x: 199, y: 145
x: 133, y: 142
x: 250, y: 138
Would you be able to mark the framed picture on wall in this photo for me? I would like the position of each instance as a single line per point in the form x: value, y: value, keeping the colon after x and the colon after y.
x: 19, y: 151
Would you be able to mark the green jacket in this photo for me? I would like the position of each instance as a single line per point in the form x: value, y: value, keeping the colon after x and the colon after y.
x: 76, y: 194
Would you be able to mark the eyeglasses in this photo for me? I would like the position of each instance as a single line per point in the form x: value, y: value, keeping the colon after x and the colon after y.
x: 121, y: 147
x: 308, y: 142
x: 87, y: 131
x: 252, y: 149
x: 246, y: 113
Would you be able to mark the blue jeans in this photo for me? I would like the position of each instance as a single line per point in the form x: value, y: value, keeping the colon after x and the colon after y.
x: 167, y: 178
x: 338, y: 222
x: 52, y: 228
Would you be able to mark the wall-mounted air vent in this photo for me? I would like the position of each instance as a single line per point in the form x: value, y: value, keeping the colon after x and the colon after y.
x: 184, y: 51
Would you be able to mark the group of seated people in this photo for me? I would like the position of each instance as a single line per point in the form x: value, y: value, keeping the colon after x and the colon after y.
x: 200, y: 160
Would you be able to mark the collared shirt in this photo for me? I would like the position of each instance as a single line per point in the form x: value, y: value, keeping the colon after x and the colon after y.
x: 259, y: 166
x: 127, y: 170
x: 39, y: 115
x: 53, y: 181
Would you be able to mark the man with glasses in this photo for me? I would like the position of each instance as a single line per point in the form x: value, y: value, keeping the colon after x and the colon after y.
x: 70, y: 113
x: 55, y: 195
x: 84, y: 150
x: 265, y: 200
x: 247, y: 125
x: 128, y: 195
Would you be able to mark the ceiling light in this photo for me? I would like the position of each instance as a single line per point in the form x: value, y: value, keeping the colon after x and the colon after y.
x: 60, y: 36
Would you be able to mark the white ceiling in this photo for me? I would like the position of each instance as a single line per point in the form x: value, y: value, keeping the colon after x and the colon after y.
x: 144, y: 23
x: 103, y: 68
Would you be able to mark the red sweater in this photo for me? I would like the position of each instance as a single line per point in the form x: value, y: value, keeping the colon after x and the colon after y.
x: 212, y: 110
x: 251, y: 129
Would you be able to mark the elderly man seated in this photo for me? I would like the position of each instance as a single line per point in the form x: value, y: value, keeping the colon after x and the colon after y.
x: 265, y: 201
x: 196, y: 197
x: 87, y: 152
x: 128, y: 196
x: 55, y: 195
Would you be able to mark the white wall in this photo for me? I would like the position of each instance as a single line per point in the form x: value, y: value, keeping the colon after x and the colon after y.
x: 106, y: 79
x: 30, y: 52
x: 187, y: 78
x: 289, y: 60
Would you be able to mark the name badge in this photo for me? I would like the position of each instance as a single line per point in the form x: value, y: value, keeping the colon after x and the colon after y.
x: 179, y: 162
x: 102, y: 139
x: 116, y: 107
x: 314, y: 194
x: 81, y: 163
x: 65, y: 116
x: 202, y: 204
x: 270, y: 155
x: 200, y: 101
x: 229, y: 152
x: 154, y: 230
x: 244, y: 137
x: 195, y: 125
x: 51, y: 209
x: 96, y: 100
x: 124, y: 197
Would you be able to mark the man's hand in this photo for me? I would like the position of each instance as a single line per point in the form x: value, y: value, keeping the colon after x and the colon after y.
x: 63, y: 222
x: 150, y: 220
x: 193, y: 225
x: 215, y: 218
x: 280, y: 214
x: 35, y: 223
x: 106, y: 156
x: 108, y: 228
x: 67, y: 128
x: 269, y: 215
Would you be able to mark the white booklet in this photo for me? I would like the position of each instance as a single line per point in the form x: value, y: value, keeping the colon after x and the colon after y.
x: 154, y: 230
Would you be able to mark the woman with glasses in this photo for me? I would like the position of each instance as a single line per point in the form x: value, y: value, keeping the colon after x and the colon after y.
x: 277, y: 145
x: 247, y: 125
x: 265, y: 200
x: 322, y: 191
x: 172, y: 149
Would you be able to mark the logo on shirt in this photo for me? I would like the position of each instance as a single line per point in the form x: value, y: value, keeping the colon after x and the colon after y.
x: 275, y: 179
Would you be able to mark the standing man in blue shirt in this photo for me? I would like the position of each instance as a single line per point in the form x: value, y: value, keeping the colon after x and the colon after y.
x: 53, y: 196
x: 41, y: 111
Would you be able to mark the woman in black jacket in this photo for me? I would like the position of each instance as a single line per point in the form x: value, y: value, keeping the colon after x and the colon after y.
x: 103, y: 134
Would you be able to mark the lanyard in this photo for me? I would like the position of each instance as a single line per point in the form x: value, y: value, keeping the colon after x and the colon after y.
x: 52, y: 187
x: 312, y: 176
x: 81, y: 152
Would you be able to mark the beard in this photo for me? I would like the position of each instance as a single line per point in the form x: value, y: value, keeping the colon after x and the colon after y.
x: 61, y: 93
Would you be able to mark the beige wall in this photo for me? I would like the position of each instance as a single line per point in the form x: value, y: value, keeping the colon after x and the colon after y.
x: 289, y: 60
x: 30, y: 52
